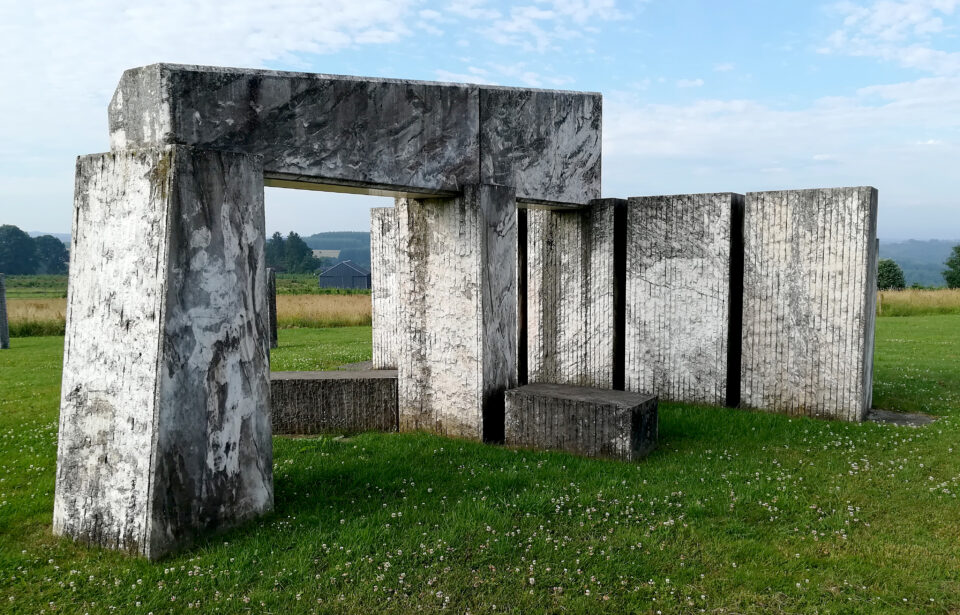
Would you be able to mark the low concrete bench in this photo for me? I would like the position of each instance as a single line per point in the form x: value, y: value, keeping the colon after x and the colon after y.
x: 334, y: 402
x: 591, y: 422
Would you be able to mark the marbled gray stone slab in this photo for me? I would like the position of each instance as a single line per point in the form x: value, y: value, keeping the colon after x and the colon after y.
x: 383, y: 275
x: 378, y: 136
x: 4, y: 325
x: 164, y: 415
x: 544, y: 143
x: 571, y: 290
x: 809, y: 301
x: 457, y: 286
x: 581, y: 420
x: 272, y: 305
x: 338, y: 402
x: 683, y: 260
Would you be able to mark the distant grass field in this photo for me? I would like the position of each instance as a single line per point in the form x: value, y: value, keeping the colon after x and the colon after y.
x: 737, y: 512
x: 916, y: 302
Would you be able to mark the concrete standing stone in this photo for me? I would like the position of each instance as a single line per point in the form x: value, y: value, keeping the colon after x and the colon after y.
x: 4, y: 325
x: 164, y: 412
x: 458, y: 288
x: 572, y: 270
x: 683, y: 288
x: 585, y: 421
x: 809, y: 297
x: 335, y: 402
x: 383, y: 272
x: 272, y: 299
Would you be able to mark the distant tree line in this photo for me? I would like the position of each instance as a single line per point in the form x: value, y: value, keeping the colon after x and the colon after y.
x: 890, y: 274
x: 291, y: 255
x: 21, y: 254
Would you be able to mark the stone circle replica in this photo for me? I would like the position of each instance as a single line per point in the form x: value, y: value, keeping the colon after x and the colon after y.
x: 499, y: 267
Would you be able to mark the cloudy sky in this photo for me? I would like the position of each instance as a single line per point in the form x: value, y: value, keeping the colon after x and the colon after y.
x: 699, y: 95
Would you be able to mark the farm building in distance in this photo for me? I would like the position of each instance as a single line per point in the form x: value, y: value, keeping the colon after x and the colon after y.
x: 345, y: 275
x: 334, y: 254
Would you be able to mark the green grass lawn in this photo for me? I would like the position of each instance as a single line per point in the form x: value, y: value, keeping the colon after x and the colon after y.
x: 737, y: 512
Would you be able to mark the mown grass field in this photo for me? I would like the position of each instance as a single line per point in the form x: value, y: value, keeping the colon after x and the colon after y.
x: 737, y: 512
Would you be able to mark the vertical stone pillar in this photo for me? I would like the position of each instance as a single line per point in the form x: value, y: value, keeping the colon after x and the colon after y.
x: 571, y: 295
x: 272, y: 305
x: 809, y: 295
x: 164, y: 411
x: 457, y: 286
x: 4, y: 325
x: 383, y: 273
x: 684, y: 275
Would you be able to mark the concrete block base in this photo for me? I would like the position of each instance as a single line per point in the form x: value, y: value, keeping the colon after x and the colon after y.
x: 334, y: 402
x: 585, y: 421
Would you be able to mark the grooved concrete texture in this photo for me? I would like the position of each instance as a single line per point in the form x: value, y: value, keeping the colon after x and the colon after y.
x: 383, y: 274
x: 682, y: 252
x: 272, y: 304
x: 164, y: 412
x: 585, y: 421
x: 571, y: 295
x: 339, y: 402
x: 458, y: 287
x: 4, y: 325
x: 411, y: 138
x: 809, y: 296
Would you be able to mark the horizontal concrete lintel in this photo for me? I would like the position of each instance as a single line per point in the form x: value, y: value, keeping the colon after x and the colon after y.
x: 302, y: 182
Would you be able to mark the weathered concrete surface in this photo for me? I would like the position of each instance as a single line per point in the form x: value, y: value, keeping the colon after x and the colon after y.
x: 272, y: 305
x: 457, y: 286
x: 585, y: 421
x: 383, y: 274
x: 339, y: 402
x: 376, y: 136
x: 809, y: 296
x: 571, y: 295
x: 684, y: 257
x: 4, y: 324
x: 164, y: 415
x: 545, y: 143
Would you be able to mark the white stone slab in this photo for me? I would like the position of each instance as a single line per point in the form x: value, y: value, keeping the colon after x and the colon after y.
x: 164, y: 418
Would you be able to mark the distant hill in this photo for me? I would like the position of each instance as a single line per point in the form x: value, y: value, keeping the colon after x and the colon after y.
x: 921, y: 261
x: 354, y: 246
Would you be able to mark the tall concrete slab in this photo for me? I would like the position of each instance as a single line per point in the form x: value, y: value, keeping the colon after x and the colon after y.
x: 683, y: 278
x: 383, y: 274
x: 458, y: 292
x: 809, y: 295
x: 164, y: 415
x: 4, y: 324
x: 272, y: 305
x: 374, y: 136
x: 571, y: 295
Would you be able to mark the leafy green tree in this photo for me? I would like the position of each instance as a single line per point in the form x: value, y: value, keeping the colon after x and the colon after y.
x: 18, y: 253
x: 274, y: 252
x: 298, y: 257
x: 952, y: 273
x: 52, y: 255
x: 890, y: 275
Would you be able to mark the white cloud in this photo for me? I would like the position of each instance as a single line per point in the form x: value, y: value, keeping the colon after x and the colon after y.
x: 689, y: 83
x: 724, y: 67
x: 896, y: 31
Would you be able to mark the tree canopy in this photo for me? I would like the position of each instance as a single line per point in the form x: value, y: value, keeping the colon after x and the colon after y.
x: 18, y: 252
x: 890, y: 275
x: 290, y: 255
x: 952, y: 273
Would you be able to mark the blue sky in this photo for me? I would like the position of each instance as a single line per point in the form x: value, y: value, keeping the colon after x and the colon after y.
x: 699, y: 96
